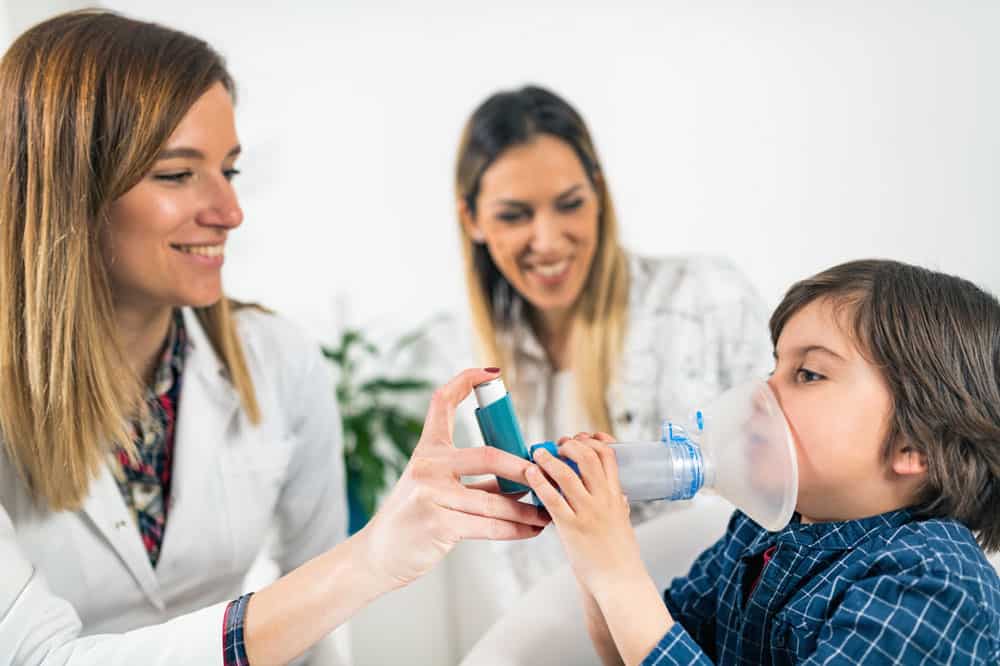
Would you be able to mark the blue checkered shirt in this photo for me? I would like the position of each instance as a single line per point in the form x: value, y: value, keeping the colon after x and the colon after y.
x: 891, y: 589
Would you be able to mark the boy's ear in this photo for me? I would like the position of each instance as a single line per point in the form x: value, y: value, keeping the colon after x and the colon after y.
x: 908, y: 461
x: 469, y: 222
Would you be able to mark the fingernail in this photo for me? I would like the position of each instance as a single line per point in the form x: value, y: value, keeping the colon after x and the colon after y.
x: 531, y: 472
x: 493, y: 370
x: 540, y: 452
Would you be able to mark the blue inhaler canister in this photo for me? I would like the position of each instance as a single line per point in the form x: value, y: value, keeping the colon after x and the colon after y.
x: 499, y: 426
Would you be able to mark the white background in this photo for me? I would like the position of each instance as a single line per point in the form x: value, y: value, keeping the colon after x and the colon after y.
x: 787, y: 137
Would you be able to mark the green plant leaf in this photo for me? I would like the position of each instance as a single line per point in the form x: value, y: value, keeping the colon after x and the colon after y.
x: 379, y: 434
x: 403, y: 430
x: 334, y: 354
x: 382, y: 384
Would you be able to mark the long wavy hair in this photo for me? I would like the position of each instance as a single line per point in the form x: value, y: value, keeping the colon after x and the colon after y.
x: 513, y: 118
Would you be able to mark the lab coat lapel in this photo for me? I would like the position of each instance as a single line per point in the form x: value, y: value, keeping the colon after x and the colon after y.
x: 208, y: 406
x: 106, y: 509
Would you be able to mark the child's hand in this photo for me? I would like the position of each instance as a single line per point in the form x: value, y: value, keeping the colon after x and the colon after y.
x: 591, y: 514
x: 625, y: 613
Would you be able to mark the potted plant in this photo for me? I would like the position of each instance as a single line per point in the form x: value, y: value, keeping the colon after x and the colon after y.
x: 382, y: 418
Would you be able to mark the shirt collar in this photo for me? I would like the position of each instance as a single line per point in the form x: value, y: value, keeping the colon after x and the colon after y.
x: 174, y: 352
x: 840, y: 535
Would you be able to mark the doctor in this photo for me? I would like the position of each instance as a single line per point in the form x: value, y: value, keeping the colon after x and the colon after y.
x: 152, y: 429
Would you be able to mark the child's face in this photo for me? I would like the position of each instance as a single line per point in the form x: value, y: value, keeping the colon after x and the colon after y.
x: 839, y: 408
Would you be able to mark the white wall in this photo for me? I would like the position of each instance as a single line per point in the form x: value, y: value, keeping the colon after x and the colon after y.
x: 785, y: 138
x: 17, y: 15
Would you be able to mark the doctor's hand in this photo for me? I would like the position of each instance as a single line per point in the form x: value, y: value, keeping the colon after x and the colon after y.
x: 430, y: 509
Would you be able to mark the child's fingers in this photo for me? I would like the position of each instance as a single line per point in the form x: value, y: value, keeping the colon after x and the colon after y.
x: 603, y: 437
x: 591, y: 468
x: 609, y: 462
x: 555, y: 504
x: 569, y: 483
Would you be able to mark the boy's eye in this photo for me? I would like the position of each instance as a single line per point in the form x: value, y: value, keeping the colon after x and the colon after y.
x: 569, y: 206
x: 230, y: 173
x: 805, y: 376
x: 173, y: 177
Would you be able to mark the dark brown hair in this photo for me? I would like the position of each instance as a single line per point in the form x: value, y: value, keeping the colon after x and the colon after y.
x: 936, y: 340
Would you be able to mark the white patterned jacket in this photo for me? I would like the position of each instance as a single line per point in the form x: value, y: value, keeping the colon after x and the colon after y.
x: 696, y: 326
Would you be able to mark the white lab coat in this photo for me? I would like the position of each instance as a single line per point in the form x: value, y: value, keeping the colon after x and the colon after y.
x: 77, y: 588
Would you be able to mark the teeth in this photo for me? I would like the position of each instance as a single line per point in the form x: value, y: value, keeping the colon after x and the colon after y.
x: 551, y: 270
x: 202, y: 250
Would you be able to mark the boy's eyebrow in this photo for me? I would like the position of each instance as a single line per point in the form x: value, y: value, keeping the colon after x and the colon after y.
x: 802, y: 351
x: 192, y: 153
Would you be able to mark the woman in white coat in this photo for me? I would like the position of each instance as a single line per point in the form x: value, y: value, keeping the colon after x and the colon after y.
x: 152, y: 429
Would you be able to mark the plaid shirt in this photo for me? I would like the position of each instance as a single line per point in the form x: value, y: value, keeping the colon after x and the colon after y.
x: 145, y: 482
x: 888, y: 589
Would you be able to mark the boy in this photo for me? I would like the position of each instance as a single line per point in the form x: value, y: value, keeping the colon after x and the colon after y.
x: 889, y: 377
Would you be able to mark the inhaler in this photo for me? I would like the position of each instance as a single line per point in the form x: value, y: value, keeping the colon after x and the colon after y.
x: 739, y: 446
x: 499, y: 427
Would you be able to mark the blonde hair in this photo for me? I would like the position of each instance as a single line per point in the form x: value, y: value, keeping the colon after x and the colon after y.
x: 600, y: 314
x: 91, y: 98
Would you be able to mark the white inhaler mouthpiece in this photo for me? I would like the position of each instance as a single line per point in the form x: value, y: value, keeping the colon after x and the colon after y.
x: 489, y: 392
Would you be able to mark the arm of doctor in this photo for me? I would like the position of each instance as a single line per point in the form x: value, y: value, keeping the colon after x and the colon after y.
x: 428, y: 512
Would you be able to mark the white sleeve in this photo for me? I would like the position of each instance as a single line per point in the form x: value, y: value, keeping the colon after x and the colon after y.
x: 38, y: 628
x: 312, y: 509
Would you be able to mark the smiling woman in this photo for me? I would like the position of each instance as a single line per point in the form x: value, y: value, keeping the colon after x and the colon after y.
x: 166, y: 236
x: 134, y: 395
x: 591, y: 337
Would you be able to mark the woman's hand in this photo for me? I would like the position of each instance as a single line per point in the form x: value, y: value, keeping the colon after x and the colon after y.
x: 426, y: 514
x: 430, y: 510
